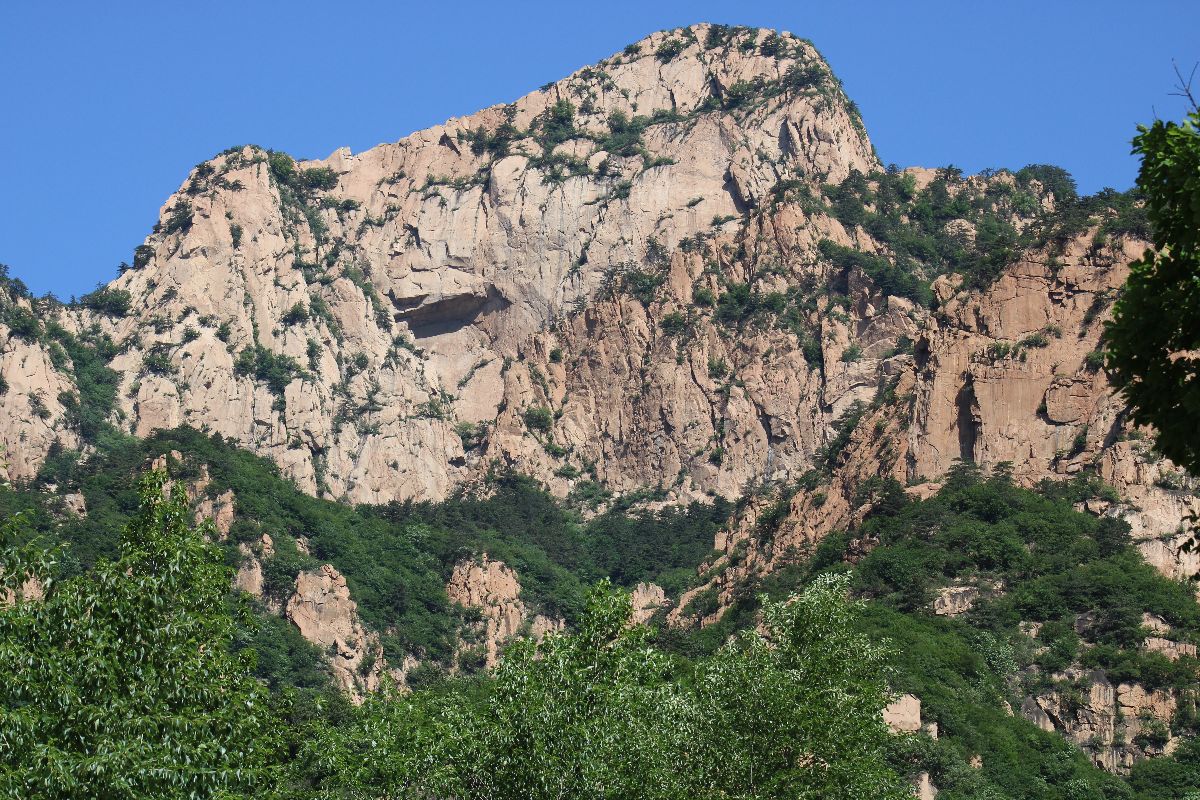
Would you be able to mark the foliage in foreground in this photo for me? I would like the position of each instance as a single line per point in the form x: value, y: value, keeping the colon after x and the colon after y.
x: 1154, y: 335
x: 396, y: 558
x: 1053, y: 565
x: 120, y: 683
x: 793, y: 712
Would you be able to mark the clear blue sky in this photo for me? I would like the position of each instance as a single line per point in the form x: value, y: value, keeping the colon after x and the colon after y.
x: 104, y: 107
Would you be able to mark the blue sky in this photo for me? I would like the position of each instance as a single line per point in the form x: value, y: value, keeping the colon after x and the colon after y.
x: 106, y: 106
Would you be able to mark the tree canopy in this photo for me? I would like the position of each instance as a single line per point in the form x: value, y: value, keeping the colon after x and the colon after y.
x: 1154, y: 336
x: 119, y: 682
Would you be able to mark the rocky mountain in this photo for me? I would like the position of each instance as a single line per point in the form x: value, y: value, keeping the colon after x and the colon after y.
x: 677, y: 274
x: 632, y: 277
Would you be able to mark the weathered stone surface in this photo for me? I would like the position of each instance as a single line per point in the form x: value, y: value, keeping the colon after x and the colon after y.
x: 31, y: 590
x: 449, y: 285
x: 219, y: 509
x: 457, y: 263
x: 492, y: 588
x: 321, y: 609
x: 903, y: 715
x: 75, y: 503
x: 249, y: 576
x: 1109, y: 723
x: 954, y: 600
x: 32, y: 417
x: 1171, y: 649
x: 647, y: 600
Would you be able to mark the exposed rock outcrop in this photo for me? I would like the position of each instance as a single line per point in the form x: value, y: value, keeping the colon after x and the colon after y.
x: 647, y: 600
x: 31, y: 405
x: 321, y: 609
x: 903, y: 715
x: 249, y: 576
x: 380, y: 323
x: 1115, y: 725
x: 403, y: 303
x: 492, y: 589
x: 31, y: 590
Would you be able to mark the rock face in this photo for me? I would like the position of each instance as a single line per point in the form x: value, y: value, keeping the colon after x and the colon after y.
x: 31, y: 401
x: 903, y: 715
x: 1115, y: 725
x: 321, y: 609
x: 575, y: 286
x: 535, y: 284
x: 492, y: 589
x: 647, y: 600
x: 31, y: 590
x: 423, y: 284
x: 966, y: 394
x: 954, y: 600
x: 249, y: 577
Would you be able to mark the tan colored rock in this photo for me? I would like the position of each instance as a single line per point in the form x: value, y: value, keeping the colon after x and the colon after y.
x: 1171, y: 649
x: 75, y: 504
x: 442, y: 285
x: 923, y: 786
x: 31, y: 415
x: 461, y: 273
x: 492, y: 588
x: 1155, y: 623
x: 323, y: 612
x: 31, y: 591
x: 903, y: 715
x: 249, y: 576
x: 219, y: 509
x: 955, y: 600
x: 647, y: 600
x: 1106, y: 722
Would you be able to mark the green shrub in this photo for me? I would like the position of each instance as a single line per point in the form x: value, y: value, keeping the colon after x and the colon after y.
x: 282, y: 167
x: 668, y: 50
x: 642, y: 285
x: 624, y: 135
x: 157, y: 361
x: 142, y: 255
x: 109, y: 302
x: 179, y: 218
x: 296, y: 315
x: 674, y: 324
x: 21, y: 323
x: 318, y: 178
x: 538, y: 418
x: 275, y: 370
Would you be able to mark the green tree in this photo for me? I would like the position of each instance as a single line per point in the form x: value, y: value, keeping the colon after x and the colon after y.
x: 600, y: 713
x: 795, y: 711
x: 1154, y: 336
x: 119, y: 683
